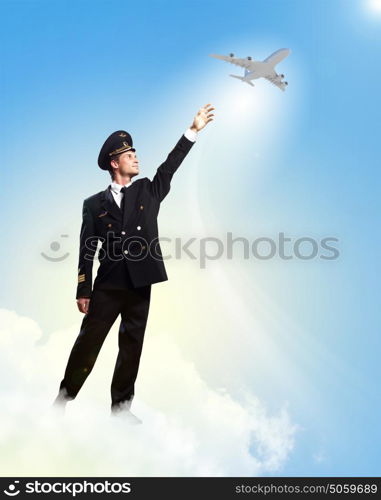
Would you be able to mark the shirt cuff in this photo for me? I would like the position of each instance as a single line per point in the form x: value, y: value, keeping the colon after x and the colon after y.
x: 190, y: 135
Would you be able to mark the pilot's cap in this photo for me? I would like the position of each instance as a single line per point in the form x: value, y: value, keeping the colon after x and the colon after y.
x: 118, y: 142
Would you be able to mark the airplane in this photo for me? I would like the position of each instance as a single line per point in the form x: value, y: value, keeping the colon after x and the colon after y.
x: 259, y: 69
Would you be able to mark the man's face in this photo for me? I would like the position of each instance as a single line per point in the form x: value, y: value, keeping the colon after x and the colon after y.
x: 128, y: 164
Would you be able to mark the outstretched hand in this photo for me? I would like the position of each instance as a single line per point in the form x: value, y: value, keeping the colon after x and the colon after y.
x: 203, y: 117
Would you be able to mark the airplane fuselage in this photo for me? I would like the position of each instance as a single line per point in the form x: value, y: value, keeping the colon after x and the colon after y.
x: 260, y: 69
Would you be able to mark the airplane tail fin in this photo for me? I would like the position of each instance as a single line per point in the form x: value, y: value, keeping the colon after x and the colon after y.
x: 243, y: 79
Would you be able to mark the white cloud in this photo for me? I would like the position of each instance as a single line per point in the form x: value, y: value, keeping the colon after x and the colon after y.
x: 189, y: 429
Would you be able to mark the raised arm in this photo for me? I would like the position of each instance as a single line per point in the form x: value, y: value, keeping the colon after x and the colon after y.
x: 161, y: 183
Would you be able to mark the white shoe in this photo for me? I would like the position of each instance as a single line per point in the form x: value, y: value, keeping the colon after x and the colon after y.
x: 131, y: 418
x: 123, y: 411
x: 59, y: 403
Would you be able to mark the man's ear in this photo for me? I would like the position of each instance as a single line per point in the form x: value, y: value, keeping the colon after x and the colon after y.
x: 113, y: 164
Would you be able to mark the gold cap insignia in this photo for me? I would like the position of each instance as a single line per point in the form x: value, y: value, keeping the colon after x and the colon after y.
x: 125, y: 147
x: 122, y: 134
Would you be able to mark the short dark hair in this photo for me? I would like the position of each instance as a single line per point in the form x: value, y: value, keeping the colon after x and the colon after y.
x: 110, y: 169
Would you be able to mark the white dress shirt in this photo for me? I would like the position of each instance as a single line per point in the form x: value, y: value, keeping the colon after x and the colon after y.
x: 115, y: 187
x: 115, y: 190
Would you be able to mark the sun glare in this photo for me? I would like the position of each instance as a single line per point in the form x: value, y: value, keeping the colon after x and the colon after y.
x: 375, y: 5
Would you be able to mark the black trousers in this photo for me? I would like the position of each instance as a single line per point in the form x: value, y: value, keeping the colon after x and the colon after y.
x: 104, y: 308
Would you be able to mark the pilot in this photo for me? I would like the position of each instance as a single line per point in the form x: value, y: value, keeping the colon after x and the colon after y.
x: 123, y: 218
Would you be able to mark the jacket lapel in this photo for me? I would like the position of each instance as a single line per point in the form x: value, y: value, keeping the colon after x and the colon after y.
x: 130, y: 203
x: 108, y: 203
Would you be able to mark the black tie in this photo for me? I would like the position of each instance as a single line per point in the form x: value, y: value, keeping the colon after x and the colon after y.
x: 123, y: 190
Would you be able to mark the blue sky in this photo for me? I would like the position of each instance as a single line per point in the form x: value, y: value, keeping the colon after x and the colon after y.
x: 305, y: 162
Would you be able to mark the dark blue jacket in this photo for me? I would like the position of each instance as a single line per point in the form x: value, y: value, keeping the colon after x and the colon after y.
x: 130, y: 255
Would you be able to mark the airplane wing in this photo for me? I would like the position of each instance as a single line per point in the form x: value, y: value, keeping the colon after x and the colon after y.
x: 274, y: 79
x: 277, y: 56
x: 244, y: 63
